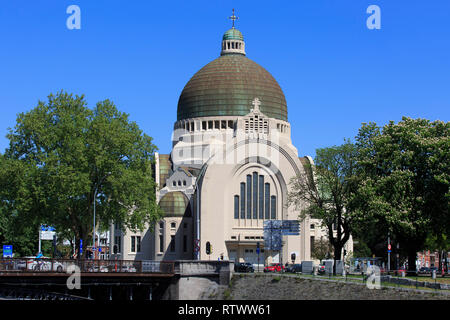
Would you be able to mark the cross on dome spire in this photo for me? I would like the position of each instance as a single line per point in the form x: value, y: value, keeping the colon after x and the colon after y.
x: 233, y: 18
x: 232, y: 40
x: 256, y: 103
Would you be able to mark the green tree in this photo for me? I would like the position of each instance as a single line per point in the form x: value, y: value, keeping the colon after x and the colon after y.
x: 405, y: 179
x: 14, y: 230
x: 63, y: 157
x: 321, y: 249
x: 325, y: 191
x: 440, y: 243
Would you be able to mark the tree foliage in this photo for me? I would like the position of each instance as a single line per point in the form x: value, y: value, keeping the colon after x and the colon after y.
x: 61, y: 154
x: 405, y: 176
x: 325, y: 190
x: 321, y: 249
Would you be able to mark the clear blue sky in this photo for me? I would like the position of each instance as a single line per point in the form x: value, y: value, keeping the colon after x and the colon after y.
x: 334, y: 71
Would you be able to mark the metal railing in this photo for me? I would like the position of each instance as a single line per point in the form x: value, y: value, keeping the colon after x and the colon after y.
x: 63, y: 265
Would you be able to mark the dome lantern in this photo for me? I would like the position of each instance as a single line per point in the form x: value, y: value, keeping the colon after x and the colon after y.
x: 232, y: 40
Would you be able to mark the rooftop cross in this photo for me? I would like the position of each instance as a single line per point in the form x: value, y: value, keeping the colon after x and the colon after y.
x: 233, y: 18
x: 256, y: 103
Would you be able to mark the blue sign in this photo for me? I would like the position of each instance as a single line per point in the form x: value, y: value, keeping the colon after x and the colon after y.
x: 274, y: 230
x: 272, y: 235
x: 81, y: 246
x: 7, y: 251
x: 290, y: 227
x: 47, y: 228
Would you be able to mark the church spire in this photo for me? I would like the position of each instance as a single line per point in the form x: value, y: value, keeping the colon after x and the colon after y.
x: 233, y: 41
x: 233, y: 18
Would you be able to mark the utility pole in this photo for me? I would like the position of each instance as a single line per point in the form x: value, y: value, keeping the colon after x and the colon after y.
x: 39, y: 249
x: 389, y: 253
x: 398, y: 255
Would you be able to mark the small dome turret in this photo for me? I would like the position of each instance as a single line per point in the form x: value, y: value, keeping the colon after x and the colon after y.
x: 232, y: 40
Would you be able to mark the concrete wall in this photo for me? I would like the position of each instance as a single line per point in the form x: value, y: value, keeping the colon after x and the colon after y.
x: 198, y: 279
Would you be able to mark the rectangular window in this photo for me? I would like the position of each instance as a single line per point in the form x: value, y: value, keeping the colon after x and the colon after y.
x: 203, y: 125
x: 255, y: 195
x: 273, y: 207
x: 267, y: 201
x: 312, y: 245
x: 236, y: 207
x: 249, y: 196
x: 172, y: 243
x: 242, y: 200
x: 184, y: 243
x: 161, y: 243
x: 261, y: 197
x: 138, y: 243
x: 133, y: 244
x: 117, y: 246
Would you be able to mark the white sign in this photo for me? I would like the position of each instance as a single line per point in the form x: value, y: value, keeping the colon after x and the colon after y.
x: 47, y: 235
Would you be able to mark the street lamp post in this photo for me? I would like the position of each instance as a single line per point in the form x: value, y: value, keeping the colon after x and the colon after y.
x: 95, y: 200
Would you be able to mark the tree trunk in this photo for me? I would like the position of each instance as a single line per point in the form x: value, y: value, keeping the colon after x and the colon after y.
x: 337, y: 255
x: 412, y: 255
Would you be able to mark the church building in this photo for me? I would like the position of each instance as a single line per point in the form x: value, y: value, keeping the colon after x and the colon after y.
x: 229, y: 170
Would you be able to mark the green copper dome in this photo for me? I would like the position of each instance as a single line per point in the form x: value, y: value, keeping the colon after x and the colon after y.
x: 233, y: 34
x: 174, y: 204
x: 227, y: 86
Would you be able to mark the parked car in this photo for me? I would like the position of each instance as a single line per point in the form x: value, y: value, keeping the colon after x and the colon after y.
x: 321, y: 269
x: 243, y: 267
x: 424, y: 270
x: 274, y: 267
x: 91, y: 267
x: 128, y: 269
x: 293, y: 268
x: 400, y: 271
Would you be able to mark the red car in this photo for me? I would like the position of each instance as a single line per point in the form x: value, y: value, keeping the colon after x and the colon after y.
x: 274, y: 267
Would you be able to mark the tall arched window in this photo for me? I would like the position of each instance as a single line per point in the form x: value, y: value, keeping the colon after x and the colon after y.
x: 249, y: 196
x: 242, y: 200
x: 267, y: 201
x: 255, y: 195
x: 261, y: 197
x: 273, y: 207
x: 255, y: 201
x: 236, y: 207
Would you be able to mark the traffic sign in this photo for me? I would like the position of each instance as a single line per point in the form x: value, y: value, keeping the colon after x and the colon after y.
x: 47, y: 232
x: 197, y: 245
x: 389, y: 247
x: 7, y: 251
x: 47, y: 228
x: 274, y: 230
x: 272, y: 235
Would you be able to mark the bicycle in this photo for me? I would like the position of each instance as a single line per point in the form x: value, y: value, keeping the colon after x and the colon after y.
x: 41, y: 266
